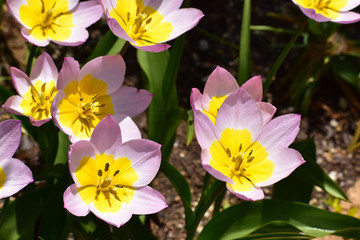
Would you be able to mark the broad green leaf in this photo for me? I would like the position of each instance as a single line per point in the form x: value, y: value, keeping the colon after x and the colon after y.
x: 242, y: 219
x: 348, y: 69
x: 108, y: 45
x: 181, y: 186
x: 190, y: 127
x: 90, y: 228
x: 54, y: 215
x: 244, y: 72
x: 48, y: 142
x: 311, y: 173
x: 19, y: 219
x: 63, y: 149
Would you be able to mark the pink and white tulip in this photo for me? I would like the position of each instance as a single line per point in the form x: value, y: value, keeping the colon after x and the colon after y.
x: 243, y: 152
x: 88, y: 95
x: 334, y: 11
x: 146, y: 24
x: 36, y: 92
x: 14, y: 174
x: 219, y: 86
x: 61, y: 21
x: 111, y: 175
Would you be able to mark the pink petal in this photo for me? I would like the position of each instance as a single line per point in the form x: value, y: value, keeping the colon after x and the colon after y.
x: 130, y: 101
x: 69, y: 72
x: 267, y: 111
x: 165, y: 7
x: 38, y: 123
x: 117, y: 29
x: 204, y: 130
x: 12, y: 105
x: 117, y: 219
x: 87, y: 13
x: 205, y: 162
x: 280, y: 132
x: 347, y: 17
x: 183, y: 20
x: 18, y: 175
x: 309, y: 12
x: 73, y: 202
x: 72, y: 4
x: 20, y: 81
x: 32, y: 40
x: 153, y: 48
x: 252, y: 195
x: 350, y: 5
x: 145, y: 157
x: 110, y: 69
x: 105, y: 134
x: 10, y: 135
x: 220, y: 83
x: 44, y: 69
x: 128, y: 127
x: 239, y: 111
x: 285, y: 162
x: 147, y: 201
x: 78, y: 36
x: 254, y: 87
x: 196, y: 100
x: 78, y: 151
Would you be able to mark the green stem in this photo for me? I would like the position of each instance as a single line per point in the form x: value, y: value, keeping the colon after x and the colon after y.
x: 124, y: 48
x: 244, y: 70
x: 30, y: 59
x: 204, y: 204
x: 282, y: 57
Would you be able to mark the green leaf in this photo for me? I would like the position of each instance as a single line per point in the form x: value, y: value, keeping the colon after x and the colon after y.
x: 108, y: 45
x: 190, y: 127
x: 181, y: 186
x: 244, y: 72
x: 63, y: 149
x: 347, y: 68
x: 19, y: 219
x: 311, y: 173
x: 244, y: 218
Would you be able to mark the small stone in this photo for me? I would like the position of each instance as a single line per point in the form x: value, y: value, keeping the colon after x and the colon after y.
x: 334, y: 123
x: 333, y: 175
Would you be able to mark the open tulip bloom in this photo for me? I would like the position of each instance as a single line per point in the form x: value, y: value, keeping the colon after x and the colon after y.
x: 111, y: 175
x: 219, y: 86
x: 330, y: 10
x: 61, y: 21
x: 148, y: 23
x: 88, y: 95
x: 243, y: 152
x: 14, y: 174
x: 36, y: 92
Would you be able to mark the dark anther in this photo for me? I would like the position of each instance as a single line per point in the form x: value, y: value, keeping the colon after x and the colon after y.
x: 240, y: 147
x: 228, y: 152
x: 250, y: 153
x: 100, y: 173
x: 81, y: 99
x: 148, y: 21
x: 128, y: 16
x: 116, y: 172
x: 107, y: 165
x: 250, y: 159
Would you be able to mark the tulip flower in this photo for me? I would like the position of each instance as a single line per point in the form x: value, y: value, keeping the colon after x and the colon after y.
x: 219, y: 86
x: 61, y: 21
x: 147, y: 24
x: 36, y: 92
x: 88, y: 95
x: 329, y: 10
x: 111, y: 175
x: 243, y: 152
x: 14, y: 174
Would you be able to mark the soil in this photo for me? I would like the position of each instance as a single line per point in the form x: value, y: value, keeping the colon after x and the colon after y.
x: 331, y: 119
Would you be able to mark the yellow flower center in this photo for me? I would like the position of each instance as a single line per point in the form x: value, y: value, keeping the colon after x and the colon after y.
x: 239, y: 158
x: 47, y: 19
x: 85, y: 104
x: 2, y: 177
x: 214, y: 106
x: 327, y: 8
x: 143, y: 24
x: 37, y: 100
x: 106, y: 181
